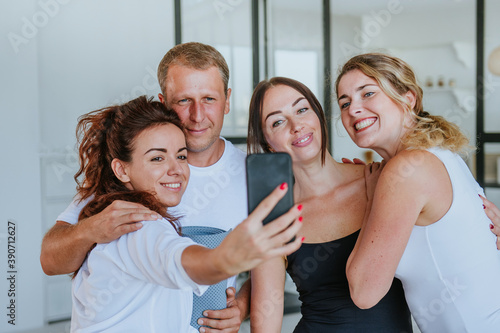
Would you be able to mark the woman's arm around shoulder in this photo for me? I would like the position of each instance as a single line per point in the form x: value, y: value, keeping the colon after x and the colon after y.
x: 407, y: 186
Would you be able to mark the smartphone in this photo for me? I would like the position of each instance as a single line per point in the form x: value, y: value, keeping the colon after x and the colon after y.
x: 264, y: 173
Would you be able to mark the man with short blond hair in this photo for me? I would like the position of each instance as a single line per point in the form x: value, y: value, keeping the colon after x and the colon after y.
x: 194, y: 82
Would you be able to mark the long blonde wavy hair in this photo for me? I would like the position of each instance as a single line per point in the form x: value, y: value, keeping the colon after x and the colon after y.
x: 395, y: 77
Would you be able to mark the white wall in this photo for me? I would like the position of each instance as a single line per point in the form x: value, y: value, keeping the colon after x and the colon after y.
x: 226, y: 25
x: 20, y: 173
x: 60, y: 59
x: 296, y: 44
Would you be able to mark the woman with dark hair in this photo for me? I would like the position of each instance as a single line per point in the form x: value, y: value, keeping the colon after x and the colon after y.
x: 425, y: 222
x: 285, y: 116
x: 144, y: 281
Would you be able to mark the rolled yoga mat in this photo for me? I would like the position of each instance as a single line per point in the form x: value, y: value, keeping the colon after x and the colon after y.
x: 215, y: 296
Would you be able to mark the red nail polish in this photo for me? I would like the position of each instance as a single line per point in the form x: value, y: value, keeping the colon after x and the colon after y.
x: 299, y: 207
x: 302, y: 240
x: 283, y: 186
x: 300, y: 218
x: 491, y: 226
x: 484, y: 207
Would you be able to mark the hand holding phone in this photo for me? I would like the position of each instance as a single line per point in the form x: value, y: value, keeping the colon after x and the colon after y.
x: 264, y: 173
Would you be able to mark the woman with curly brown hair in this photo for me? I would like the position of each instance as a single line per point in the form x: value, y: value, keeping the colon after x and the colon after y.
x: 144, y: 281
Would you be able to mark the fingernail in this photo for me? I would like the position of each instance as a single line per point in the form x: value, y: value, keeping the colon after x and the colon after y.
x: 283, y: 186
x: 300, y: 219
x: 484, y: 207
x: 491, y: 226
x: 202, y: 329
x: 302, y: 240
x: 205, y: 314
x: 299, y: 207
x: 200, y: 321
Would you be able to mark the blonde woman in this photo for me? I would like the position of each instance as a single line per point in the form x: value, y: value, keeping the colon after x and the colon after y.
x: 425, y: 221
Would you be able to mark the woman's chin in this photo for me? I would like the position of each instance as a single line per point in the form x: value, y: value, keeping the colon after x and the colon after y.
x: 170, y: 202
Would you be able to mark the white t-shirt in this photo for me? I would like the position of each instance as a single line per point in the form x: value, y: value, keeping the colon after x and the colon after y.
x: 135, y: 283
x: 216, y: 195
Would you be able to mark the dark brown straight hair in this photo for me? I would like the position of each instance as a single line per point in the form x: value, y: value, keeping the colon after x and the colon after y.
x: 256, y: 139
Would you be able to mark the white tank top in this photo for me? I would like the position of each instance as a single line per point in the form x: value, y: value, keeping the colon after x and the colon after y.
x: 451, y: 269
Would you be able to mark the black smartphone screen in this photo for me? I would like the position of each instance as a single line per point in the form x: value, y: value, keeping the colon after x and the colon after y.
x: 264, y: 173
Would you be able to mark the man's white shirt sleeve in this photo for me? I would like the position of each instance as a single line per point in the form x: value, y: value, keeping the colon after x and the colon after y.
x: 71, y: 213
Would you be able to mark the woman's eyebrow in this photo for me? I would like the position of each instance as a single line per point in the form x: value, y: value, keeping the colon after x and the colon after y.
x: 272, y: 114
x: 163, y: 150
x: 279, y: 111
x: 358, y: 89
x: 298, y: 100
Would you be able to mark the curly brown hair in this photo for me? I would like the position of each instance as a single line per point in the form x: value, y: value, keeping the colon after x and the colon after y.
x: 110, y: 133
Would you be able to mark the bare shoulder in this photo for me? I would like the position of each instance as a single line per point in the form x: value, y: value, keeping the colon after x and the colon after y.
x: 418, y: 171
x: 415, y: 163
x: 352, y: 172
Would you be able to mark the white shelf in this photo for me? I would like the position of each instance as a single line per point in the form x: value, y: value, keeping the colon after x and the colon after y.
x: 464, y: 97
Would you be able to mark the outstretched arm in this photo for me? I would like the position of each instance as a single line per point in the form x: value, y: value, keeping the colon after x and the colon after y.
x: 65, y: 246
x: 268, y: 288
x: 248, y: 245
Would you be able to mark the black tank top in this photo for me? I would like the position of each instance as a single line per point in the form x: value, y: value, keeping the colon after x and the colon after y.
x: 318, y: 271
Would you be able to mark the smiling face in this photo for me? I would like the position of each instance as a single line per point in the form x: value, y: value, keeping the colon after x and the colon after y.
x: 371, y: 118
x: 158, y: 164
x: 198, y: 97
x: 290, y: 124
